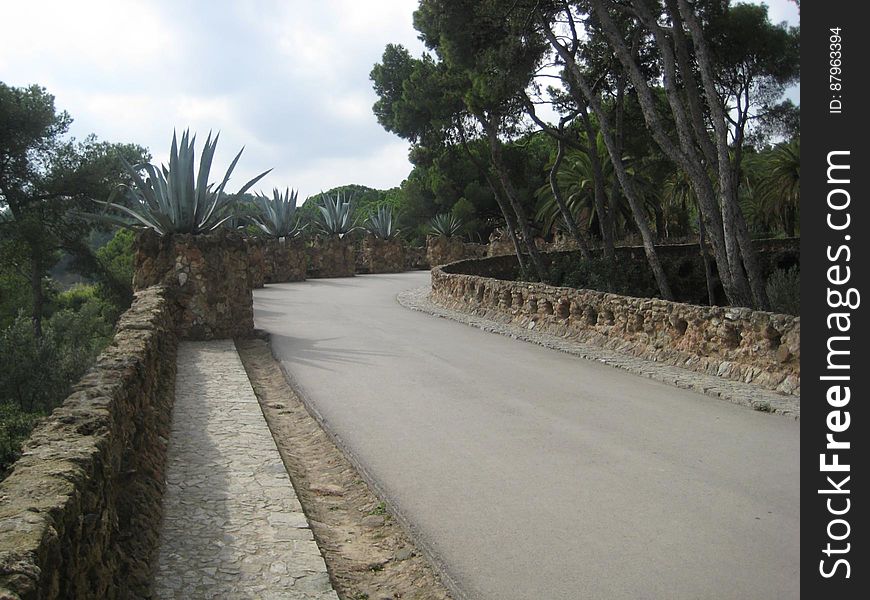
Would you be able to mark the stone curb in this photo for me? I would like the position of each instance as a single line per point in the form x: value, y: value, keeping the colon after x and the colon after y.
x: 760, y: 399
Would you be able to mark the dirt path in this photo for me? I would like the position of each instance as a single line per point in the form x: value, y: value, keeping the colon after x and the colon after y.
x: 369, y: 556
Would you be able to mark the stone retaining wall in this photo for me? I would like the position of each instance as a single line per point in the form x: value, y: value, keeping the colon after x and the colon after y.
x: 332, y: 257
x: 736, y: 343
x: 80, y: 512
x: 286, y: 260
x: 415, y: 258
x: 442, y: 250
x: 380, y: 256
x: 208, y: 276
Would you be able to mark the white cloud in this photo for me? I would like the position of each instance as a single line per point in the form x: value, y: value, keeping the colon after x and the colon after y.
x: 288, y: 80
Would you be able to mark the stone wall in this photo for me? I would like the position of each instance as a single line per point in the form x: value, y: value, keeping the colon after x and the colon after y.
x: 208, y: 278
x: 80, y: 512
x: 332, y: 257
x: 380, y: 256
x: 415, y: 258
x: 259, y: 269
x: 442, y: 250
x: 736, y: 343
x: 286, y: 260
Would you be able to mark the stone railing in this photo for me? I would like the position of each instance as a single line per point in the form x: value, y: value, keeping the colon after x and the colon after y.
x: 736, y: 343
x: 81, y: 510
x: 376, y: 255
x: 208, y: 279
x: 442, y: 250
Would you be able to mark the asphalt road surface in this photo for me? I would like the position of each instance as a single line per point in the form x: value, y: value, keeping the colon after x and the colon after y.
x: 532, y: 474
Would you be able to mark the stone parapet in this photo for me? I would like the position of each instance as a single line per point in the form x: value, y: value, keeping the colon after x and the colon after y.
x: 442, y: 250
x: 286, y: 260
x: 380, y: 256
x: 332, y: 257
x: 80, y: 513
x: 754, y: 347
x: 207, y: 276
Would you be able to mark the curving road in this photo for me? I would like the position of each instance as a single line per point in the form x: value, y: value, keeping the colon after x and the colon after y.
x: 532, y: 474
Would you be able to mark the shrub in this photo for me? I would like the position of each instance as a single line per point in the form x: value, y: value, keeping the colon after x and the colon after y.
x: 277, y: 215
x: 15, y: 426
x: 36, y: 373
x: 626, y: 277
x: 117, y: 255
x: 445, y: 225
x: 381, y: 224
x: 784, y: 291
x: 336, y: 215
x: 30, y: 368
x: 174, y: 199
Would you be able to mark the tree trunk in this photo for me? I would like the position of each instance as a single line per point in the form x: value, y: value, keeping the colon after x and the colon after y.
x: 685, y: 156
x: 606, y: 133
x: 619, y: 128
x: 510, y: 192
x: 736, y: 231
x: 509, y: 226
x: 604, y: 220
x: 708, y: 270
x: 36, y: 292
x: 497, y: 193
x: 563, y: 208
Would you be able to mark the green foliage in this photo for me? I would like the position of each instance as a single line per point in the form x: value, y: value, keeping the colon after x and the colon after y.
x: 174, y: 200
x: 784, y: 291
x: 277, y: 217
x: 445, y: 225
x: 14, y: 296
x: 774, y: 188
x: 36, y: 373
x: 46, y: 183
x: 381, y: 224
x: 117, y: 255
x: 336, y: 215
x: 15, y: 426
x: 626, y: 277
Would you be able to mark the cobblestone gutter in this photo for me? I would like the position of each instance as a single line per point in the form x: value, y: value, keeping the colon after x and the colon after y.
x: 740, y: 344
x: 80, y: 513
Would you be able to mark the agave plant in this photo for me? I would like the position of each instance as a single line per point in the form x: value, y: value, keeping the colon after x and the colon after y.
x: 277, y: 216
x: 174, y: 200
x: 381, y: 224
x: 335, y: 215
x: 445, y: 225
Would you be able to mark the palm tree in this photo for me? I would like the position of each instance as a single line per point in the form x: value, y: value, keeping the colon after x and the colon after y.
x: 679, y: 199
x: 575, y: 179
x: 776, y: 194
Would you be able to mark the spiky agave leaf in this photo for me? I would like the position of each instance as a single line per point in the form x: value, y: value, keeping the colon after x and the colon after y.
x: 173, y: 199
x: 445, y: 225
x: 380, y: 224
x: 277, y: 218
x: 336, y: 214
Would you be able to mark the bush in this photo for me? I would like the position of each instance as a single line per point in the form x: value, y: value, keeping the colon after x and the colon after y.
x: 117, y: 255
x: 784, y: 291
x: 31, y: 376
x: 15, y: 426
x: 36, y: 374
x: 626, y: 277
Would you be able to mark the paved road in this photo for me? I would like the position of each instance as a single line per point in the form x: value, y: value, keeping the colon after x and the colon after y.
x: 532, y: 474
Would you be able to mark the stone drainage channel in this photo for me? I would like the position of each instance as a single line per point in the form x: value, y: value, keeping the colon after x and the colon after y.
x: 233, y: 526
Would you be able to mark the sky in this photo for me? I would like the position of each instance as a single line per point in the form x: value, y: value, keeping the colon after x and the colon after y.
x: 286, y: 79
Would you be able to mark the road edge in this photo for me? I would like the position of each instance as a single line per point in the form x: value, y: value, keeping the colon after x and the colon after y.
x: 735, y: 392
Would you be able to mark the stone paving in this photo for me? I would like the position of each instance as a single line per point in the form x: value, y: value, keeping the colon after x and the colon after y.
x: 233, y: 527
x: 734, y: 391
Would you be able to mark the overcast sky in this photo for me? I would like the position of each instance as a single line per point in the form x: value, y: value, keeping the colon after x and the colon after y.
x: 287, y: 79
